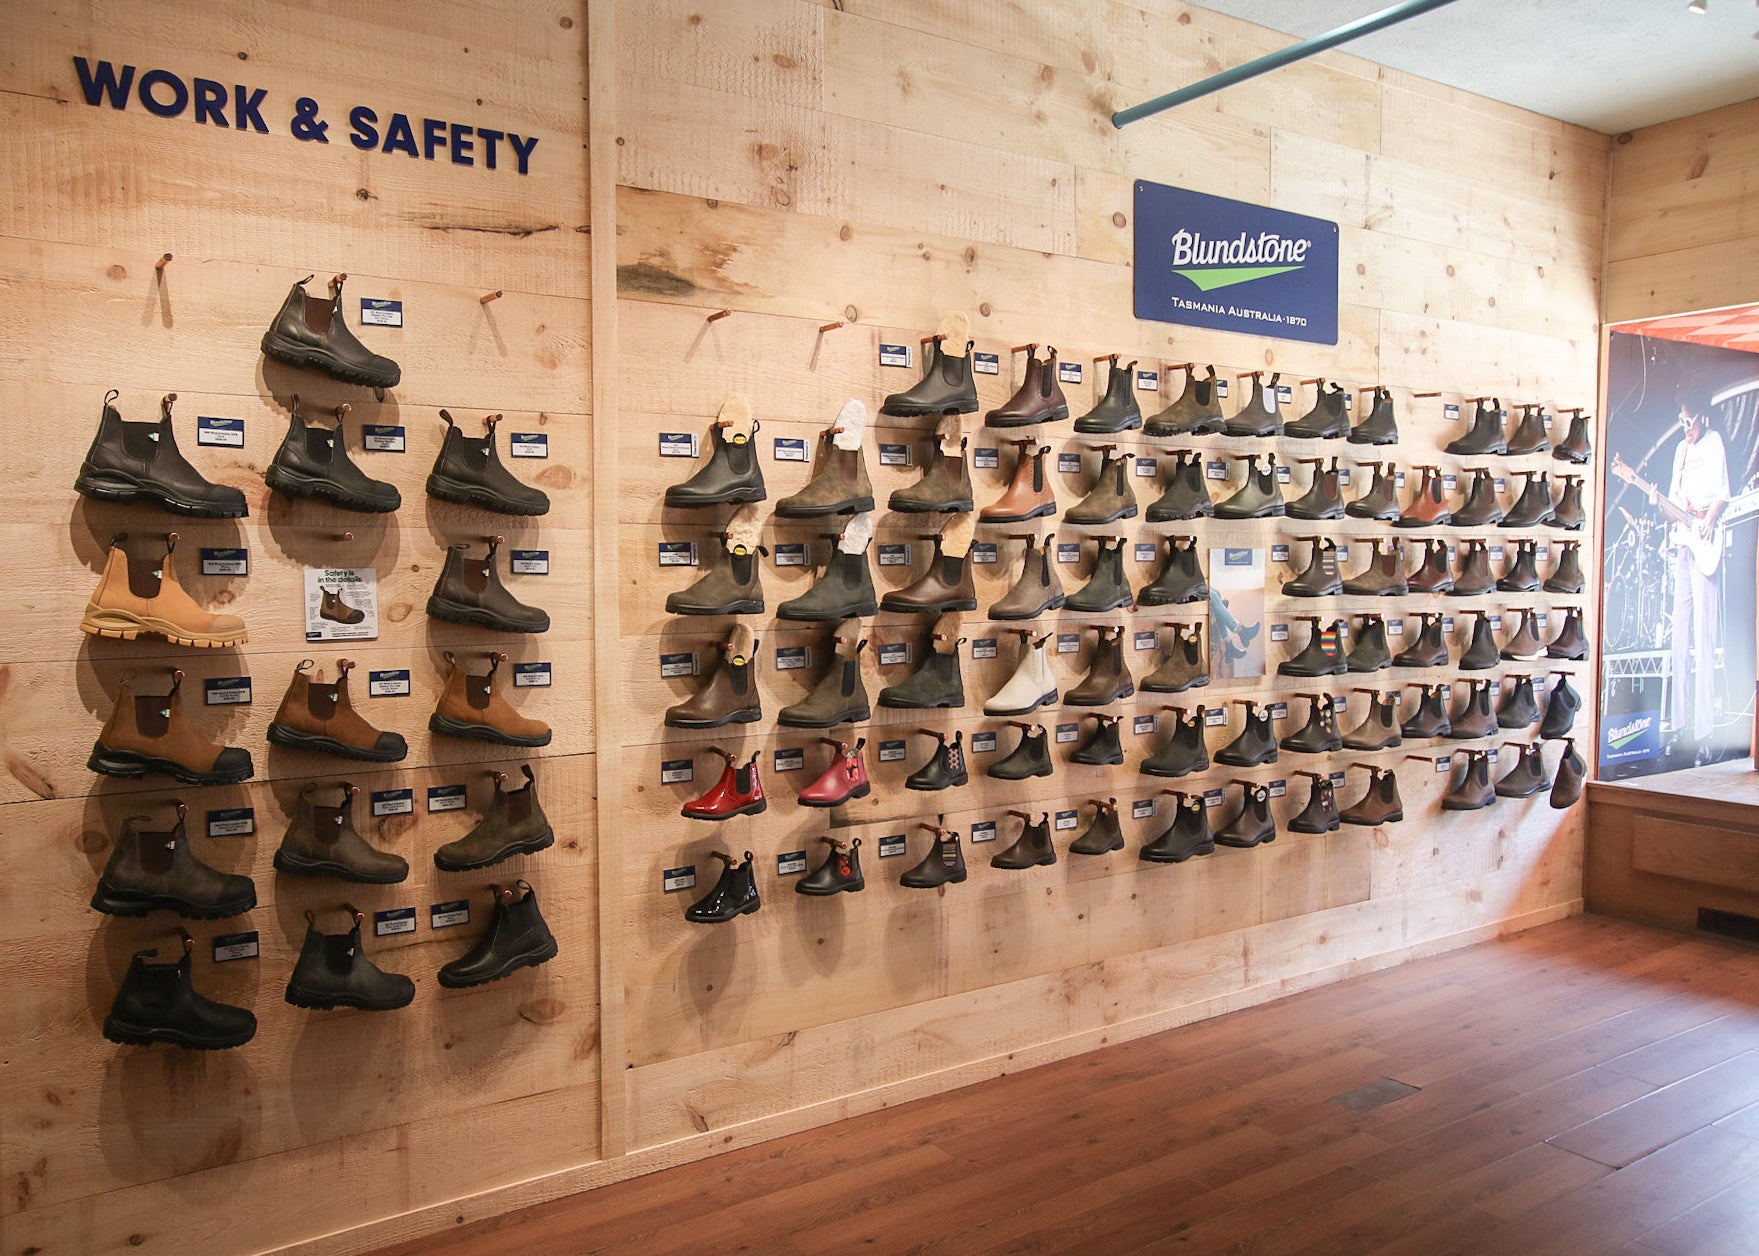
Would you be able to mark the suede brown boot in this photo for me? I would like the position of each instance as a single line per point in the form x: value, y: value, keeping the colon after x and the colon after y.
x: 514, y: 825
x: 1186, y: 665
x: 337, y: 611
x: 470, y: 707
x: 730, y: 695
x: 1108, y: 678
x: 469, y: 591
x: 1038, y: 589
x: 839, y: 483
x: 1111, y: 497
x: 945, y: 485
x: 151, y: 869
x: 1197, y: 410
x: 732, y: 582
x: 1381, y: 804
x: 319, y: 716
x: 149, y: 733
x: 1029, y: 494
x: 136, y: 595
x: 322, y: 842
x: 840, y: 697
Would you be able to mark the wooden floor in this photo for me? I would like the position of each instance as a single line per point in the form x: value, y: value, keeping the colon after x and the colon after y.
x: 1589, y: 1087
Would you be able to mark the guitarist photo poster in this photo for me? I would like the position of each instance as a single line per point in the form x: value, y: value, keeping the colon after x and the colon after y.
x: 1678, y: 666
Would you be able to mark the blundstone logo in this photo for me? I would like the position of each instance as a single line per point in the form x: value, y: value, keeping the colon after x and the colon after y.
x: 1212, y: 264
x: 1624, y: 734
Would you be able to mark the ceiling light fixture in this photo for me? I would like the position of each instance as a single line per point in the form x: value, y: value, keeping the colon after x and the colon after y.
x: 1699, y: 6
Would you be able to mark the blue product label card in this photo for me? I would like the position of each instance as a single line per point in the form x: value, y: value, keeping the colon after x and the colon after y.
x: 228, y: 433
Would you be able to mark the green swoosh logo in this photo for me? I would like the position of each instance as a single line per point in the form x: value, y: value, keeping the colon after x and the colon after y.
x: 1622, y: 742
x: 1209, y: 278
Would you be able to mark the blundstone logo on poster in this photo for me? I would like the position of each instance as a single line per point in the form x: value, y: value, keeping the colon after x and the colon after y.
x: 1212, y: 264
x: 1622, y: 735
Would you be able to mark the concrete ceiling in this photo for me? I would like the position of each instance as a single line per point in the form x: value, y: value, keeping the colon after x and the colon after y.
x: 1610, y: 65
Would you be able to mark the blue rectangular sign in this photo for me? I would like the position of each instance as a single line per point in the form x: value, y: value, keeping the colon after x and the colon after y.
x: 1629, y: 736
x: 1206, y: 261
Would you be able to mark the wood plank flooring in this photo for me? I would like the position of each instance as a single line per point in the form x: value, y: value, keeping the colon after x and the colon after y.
x: 1587, y: 1088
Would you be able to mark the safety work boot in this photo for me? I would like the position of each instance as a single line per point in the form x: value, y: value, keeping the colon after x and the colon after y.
x: 1433, y: 575
x: 1196, y: 411
x: 1323, y: 655
x: 1571, y: 642
x: 320, y: 716
x: 334, y: 608
x: 1259, y: 415
x: 1518, y: 708
x: 1033, y: 683
x: 1256, y: 743
x: 1261, y: 497
x: 1482, y: 653
x: 1381, y: 501
x: 729, y: 696
x: 1321, y: 577
x: 1319, y: 735
x: 1569, y: 513
x: 469, y: 591
x: 1102, y: 748
x: 1475, y: 718
x: 312, y: 333
x: 1039, y: 399
x: 1529, y: 436
x: 844, y: 780
x: 1038, y: 589
x: 732, y: 473
x: 840, y: 873
x: 313, y: 462
x: 516, y: 938
x: 1320, y: 815
x: 1032, y: 849
x: 1566, y: 576
x: 943, y: 865
x: 1104, y: 834
x: 149, y: 733
x: 731, y: 583
x: 515, y: 824
x: 946, y: 583
x: 1186, y: 751
x: 321, y: 841
x: 1108, y: 677
x: 1188, y: 835
x: 732, y: 896
x: 947, y: 386
x: 1525, y: 644
x: 1482, y: 506
x: 1473, y: 791
x: 937, y: 682
x: 1186, y: 665
x: 153, y: 868
x: 1111, y: 497
x: 1323, y: 499
x: 1029, y: 494
x: 1187, y: 495
x: 158, y: 1003
x: 1370, y: 652
x: 1528, y: 776
x: 1380, y: 427
x: 1379, y: 729
x: 1032, y: 757
x: 839, y: 483
x: 1385, y: 574
x: 1429, y: 506
x: 737, y: 792
x: 141, y: 462
x: 470, y: 707
x: 468, y: 472
x: 136, y: 595
x: 1576, y: 446
x: 1572, y: 772
x: 947, y: 768
x: 840, y: 696
x: 1380, y: 805
x: 945, y: 486
x: 1485, y: 436
x: 1523, y: 573
x: 1180, y: 581
x: 1474, y: 578
x: 1430, y: 649
x: 333, y: 971
x: 1534, y: 506
x: 1253, y: 825
x: 1107, y: 587
x: 1560, y: 709
x: 1431, y: 718
x: 1117, y: 411
x: 1327, y: 420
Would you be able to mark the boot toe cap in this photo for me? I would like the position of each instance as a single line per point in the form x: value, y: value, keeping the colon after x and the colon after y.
x: 391, y: 746
x: 235, y: 762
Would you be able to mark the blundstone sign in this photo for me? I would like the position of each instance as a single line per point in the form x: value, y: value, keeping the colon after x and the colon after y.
x: 1207, y: 261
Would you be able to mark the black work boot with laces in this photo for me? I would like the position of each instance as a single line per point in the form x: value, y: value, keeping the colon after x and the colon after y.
x: 313, y: 462
x: 1324, y: 499
x: 1117, y: 411
x: 1111, y: 497
x: 1102, y: 747
x: 731, y: 475
x: 1186, y: 665
x: 1189, y: 834
x: 946, y: 769
x: 844, y: 590
x: 312, y: 333
x: 1321, y: 577
x: 158, y: 1003
x: 1381, y: 501
x: 947, y: 386
x: 1253, y: 825
x: 1370, y: 652
x: 1431, y: 718
x: 1180, y: 581
x: 1525, y: 644
x: 1485, y: 436
x: 1560, y: 710
x: 1482, y: 506
x: 1529, y: 436
x: 469, y: 472
x: 1259, y: 416
x: 1482, y: 654
x: 155, y: 868
x: 1320, y: 815
x: 1256, y: 743
x: 1185, y: 752
x: 1571, y: 642
x: 1320, y: 656
x: 731, y: 584
x: 1572, y: 772
x: 1261, y: 497
x: 1327, y: 420
x: 1566, y: 576
x: 333, y: 971
x: 943, y: 865
x: 938, y: 682
x: 1430, y: 649
x: 515, y: 824
x: 1197, y: 411
x: 1576, y: 446
x: 1102, y: 836
x: 1032, y: 757
x: 1379, y: 729
x: 1187, y: 495
x: 1107, y: 587
x: 1523, y: 573
x: 1474, y: 791
x: 1474, y: 578
x: 1527, y: 777
x: 1319, y: 735
x: 733, y: 895
x: 1032, y: 849
x: 1534, y: 506
x: 1380, y: 427
x: 1038, y: 589
x: 1570, y: 514
x: 1476, y: 717
x: 1039, y: 398
x: 141, y: 462
x: 469, y: 591
x: 1385, y: 574
x: 1519, y: 707
x: 840, y: 873
x: 840, y: 696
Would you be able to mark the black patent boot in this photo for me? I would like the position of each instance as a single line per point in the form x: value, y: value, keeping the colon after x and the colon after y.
x: 150, y: 869
x: 731, y: 584
x: 946, y: 769
x: 1385, y: 574
x: 1370, y: 652
x: 1381, y: 501
x: 333, y: 971
x: 1485, y: 436
x: 1186, y: 665
x: 1379, y: 729
x: 1180, y: 581
x: 1187, y: 495
x: 469, y: 472
x: 734, y: 895
x: 469, y: 591
x: 840, y: 696
x: 1256, y: 743
x: 1323, y: 499
x: 1431, y: 718
x: 1381, y: 804
x: 1433, y: 575
x: 312, y: 333
x: 1102, y: 746
x: 1320, y: 815
x: 1566, y: 577
x: 1529, y: 435
x: 1482, y: 653
x: 840, y: 873
x: 1533, y: 507
x: 1117, y: 411
x: 844, y: 590
x: 1475, y: 718
x: 314, y: 462
x: 1482, y: 506
x: 1560, y: 710
x: 1258, y: 416
x: 1038, y: 589
x: 937, y: 683
x: 1570, y: 514
x: 1261, y: 497
x: 141, y: 462
x: 1575, y: 447
x: 1380, y: 427
x: 1253, y: 825
x: 1430, y: 649
x: 1525, y: 644
x: 1032, y: 757
x: 1528, y: 776
x: 943, y: 865
x: 1474, y: 579
x: 731, y: 474
x: 1107, y: 587
x: 947, y: 386
x: 1523, y: 573
x: 1571, y: 642
x: 1473, y: 791
x: 1518, y: 708
x: 1111, y: 497
x: 1104, y: 835
x: 157, y: 1003
x: 1328, y: 420
x: 1319, y: 735
x: 1321, y: 578
x: 1189, y: 833
x: 1197, y: 411
x: 1032, y: 849
x: 1186, y: 751
x: 1566, y: 789
x: 1323, y: 655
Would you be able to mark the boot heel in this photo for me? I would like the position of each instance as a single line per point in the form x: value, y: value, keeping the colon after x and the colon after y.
x: 122, y: 763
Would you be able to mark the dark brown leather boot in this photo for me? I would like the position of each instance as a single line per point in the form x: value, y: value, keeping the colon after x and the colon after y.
x: 1258, y: 416
x: 730, y: 694
x: 322, y: 842
x: 312, y: 333
x: 1572, y: 772
x: 1324, y: 500
x: 1482, y: 507
x: 1379, y: 729
x: 1433, y: 575
x: 469, y: 472
x: 1328, y: 420
x: 1029, y: 494
x: 515, y: 824
x: 1474, y: 579
x: 1385, y: 574
x: 1381, y: 501
x: 150, y: 869
x: 314, y: 462
x: 1038, y: 589
x: 1570, y: 514
x: 470, y: 707
x: 1254, y: 824
x: 469, y: 591
x: 1575, y: 447
x: 319, y: 716
x: 1571, y: 642
x: 1473, y: 790
x: 943, y: 865
x: 1533, y: 507
x: 1111, y: 497
x: 141, y: 462
x: 946, y: 584
x: 1039, y: 398
x: 1529, y: 435
x: 947, y: 386
x: 1104, y: 834
x: 1381, y: 804
x: 149, y: 733
x: 1566, y: 576
x: 1476, y: 717
x: 1485, y: 436
x: 732, y: 473
x: 1032, y: 849
x: 1108, y: 678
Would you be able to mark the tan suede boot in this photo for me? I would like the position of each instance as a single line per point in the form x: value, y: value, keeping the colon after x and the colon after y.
x: 319, y: 716
x: 470, y: 707
x: 136, y: 595
x: 150, y: 733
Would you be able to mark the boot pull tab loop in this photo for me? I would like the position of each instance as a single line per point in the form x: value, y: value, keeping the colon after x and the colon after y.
x: 723, y: 753
x: 933, y: 732
x: 165, y: 405
x: 182, y: 810
x: 336, y: 286
x: 343, y: 667
x: 171, y: 539
x: 188, y: 942
x: 176, y: 681
x: 342, y: 409
x: 444, y: 414
x: 495, y: 543
x: 451, y: 660
x: 305, y: 665
x: 1040, y: 642
x: 495, y: 661
x: 111, y: 396
x: 311, y: 918
x: 359, y: 916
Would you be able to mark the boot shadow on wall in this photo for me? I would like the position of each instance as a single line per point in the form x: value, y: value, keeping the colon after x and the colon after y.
x: 156, y: 306
x: 915, y: 954
x: 819, y: 926
x: 711, y: 955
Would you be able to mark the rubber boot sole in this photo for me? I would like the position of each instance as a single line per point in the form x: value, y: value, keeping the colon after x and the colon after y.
x: 852, y: 887
x: 738, y: 496
x: 747, y: 716
x: 1094, y: 521
x: 1208, y: 848
x: 912, y: 409
x: 145, y: 1036
x: 1055, y: 604
x: 295, y: 866
x: 127, y: 903
x: 327, y: 1002
x: 999, y: 422
x: 834, y: 615
x: 458, y: 613
x: 126, y: 626
x: 310, y: 359
x: 292, y: 739
x: 438, y: 723
x: 1037, y: 512
x: 848, y: 506
x: 964, y: 778
x: 1049, y: 699
x: 293, y: 484
x: 531, y: 959
x: 526, y: 846
x: 854, y: 715
x: 860, y: 791
x: 128, y: 765
x: 111, y: 487
x: 449, y: 490
x: 935, y: 508
x: 749, y: 809
x: 744, y: 606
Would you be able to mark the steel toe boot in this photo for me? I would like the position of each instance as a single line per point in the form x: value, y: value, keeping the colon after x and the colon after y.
x: 732, y: 472
x: 738, y: 792
x: 840, y: 696
x: 947, y: 386
x: 1528, y: 776
x: 1566, y: 576
x: 729, y: 696
x: 946, y: 768
x: 1108, y: 678
x: 136, y: 595
x: 149, y: 733
x: 1180, y: 581
x: 470, y: 707
x: 1523, y: 573
x: 1253, y: 824
x: 839, y: 483
x: 1482, y: 507
x: 1429, y: 506
x: 1570, y: 642
x: 1385, y: 574
x: 1381, y: 501
x: 1370, y: 652
x: 1256, y: 743
x: 1189, y: 833
x: 1319, y: 735
x: 1261, y: 497
x: 1485, y: 436
x: 1029, y: 494
x: 732, y: 896
x: 1380, y: 805
x: 1379, y: 729
x: 141, y: 462
x: 1482, y: 653
x: 1529, y: 435
x: 1039, y: 398
x: 1433, y: 575
x: 1104, y: 834
x: 335, y: 609
x: 516, y: 938
x: 1475, y: 717
x: 1518, y: 708
x: 469, y: 591
x: 1560, y: 709
x: 319, y: 716
x: 1473, y: 791
x: 1474, y: 578
x: 1111, y: 497
x: 1186, y: 751
x: 1430, y: 649
x: 1320, y: 815
x: 844, y: 590
x: 321, y: 841
x: 1576, y: 446
x: 1259, y: 416
x: 1380, y: 427
x: 946, y: 584
x: 314, y: 462
x: 1032, y: 757
x: 731, y: 583
x: 1431, y: 718
x: 1525, y: 644
x: 945, y: 486
x: 1031, y: 849
x: 1033, y: 683
x: 1533, y: 507
x: 1566, y: 789
x: 937, y: 682
x: 1328, y: 420
x: 1187, y: 495
x: 515, y: 824
x: 158, y: 1003
x: 840, y: 873
x: 1102, y: 747
x: 1324, y: 499
x: 1038, y: 589
x: 1117, y: 410
x: 1321, y: 577
x: 844, y: 780
x: 1323, y: 655
x: 312, y: 333
x: 333, y: 971
x: 1186, y: 665
x: 1569, y: 513
x: 943, y: 865
x: 469, y: 473
x: 1196, y: 411
x: 153, y: 868
x: 1107, y: 587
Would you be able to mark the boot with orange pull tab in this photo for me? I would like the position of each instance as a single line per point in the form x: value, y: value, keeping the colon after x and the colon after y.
x: 470, y: 707
x: 136, y: 595
x: 149, y: 733
x: 317, y: 715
